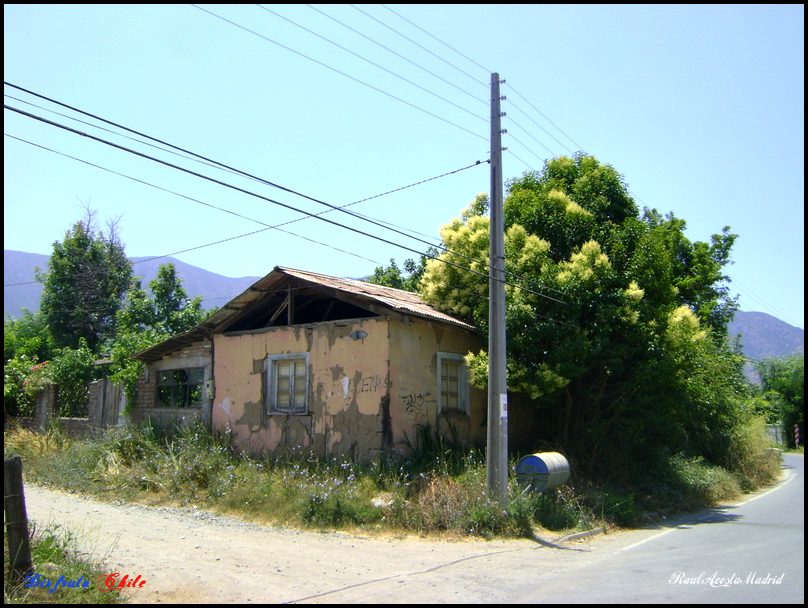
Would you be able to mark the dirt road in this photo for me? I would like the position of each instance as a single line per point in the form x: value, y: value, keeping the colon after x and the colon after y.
x: 191, y: 556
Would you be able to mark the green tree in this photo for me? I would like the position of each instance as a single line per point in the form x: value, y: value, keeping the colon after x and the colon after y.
x: 27, y: 336
x: 408, y: 280
x: 174, y: 311
x: 88, y: 275
x: 145, y: 321
x: 783, y: 381
x: 72, y: 370
x: 615, y: 320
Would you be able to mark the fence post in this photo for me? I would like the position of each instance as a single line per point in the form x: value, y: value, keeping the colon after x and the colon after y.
x: 46, y: 407
x: 19, y: 547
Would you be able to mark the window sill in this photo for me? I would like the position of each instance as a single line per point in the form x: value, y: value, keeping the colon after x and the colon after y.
x: 284, y: 413
x: 453, y: 412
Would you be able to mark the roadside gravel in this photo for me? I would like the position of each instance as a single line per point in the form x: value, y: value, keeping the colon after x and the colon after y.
x: 194, y: 556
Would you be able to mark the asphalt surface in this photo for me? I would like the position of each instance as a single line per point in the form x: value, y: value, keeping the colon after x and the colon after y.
x: 750, y: 552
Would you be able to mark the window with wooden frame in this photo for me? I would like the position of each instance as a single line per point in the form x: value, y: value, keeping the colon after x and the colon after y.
x: 287, y: 384
x: 453, y: 383
x: 180, y: 387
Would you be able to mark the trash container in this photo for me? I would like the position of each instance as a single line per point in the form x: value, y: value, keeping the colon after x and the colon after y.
x: 542, y: 471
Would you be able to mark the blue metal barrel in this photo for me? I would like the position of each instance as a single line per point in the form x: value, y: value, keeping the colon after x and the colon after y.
x: 542, y: 471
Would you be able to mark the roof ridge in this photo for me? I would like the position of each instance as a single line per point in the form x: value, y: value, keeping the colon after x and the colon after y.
x: 356, y: 281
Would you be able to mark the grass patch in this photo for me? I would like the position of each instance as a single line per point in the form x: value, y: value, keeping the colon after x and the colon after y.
x: 439, y: 489
x: 54, y: 556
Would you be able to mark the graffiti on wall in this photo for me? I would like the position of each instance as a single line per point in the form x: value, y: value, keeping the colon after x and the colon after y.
x: 345, y: 386
x: 414, y: 402
x: 371, y: 384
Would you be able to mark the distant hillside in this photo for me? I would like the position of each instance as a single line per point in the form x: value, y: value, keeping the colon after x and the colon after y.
x: 764, y: 336
x: 18, y: 267
x: 20, y: 289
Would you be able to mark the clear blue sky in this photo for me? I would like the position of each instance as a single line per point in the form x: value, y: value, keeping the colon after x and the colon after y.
x: 700, y: 108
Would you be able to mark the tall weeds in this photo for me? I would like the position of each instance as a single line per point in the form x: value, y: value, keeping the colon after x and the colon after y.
x: 439, y: 487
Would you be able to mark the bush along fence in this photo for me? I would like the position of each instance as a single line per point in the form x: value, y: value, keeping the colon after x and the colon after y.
x: 105, y: 403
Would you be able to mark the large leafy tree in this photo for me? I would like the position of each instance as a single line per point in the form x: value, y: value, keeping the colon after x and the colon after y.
x: 783, y: 381
x: 27, y: 336
x: 615, y: 319
x: 87, y: 277
x: 145, y: 321
x: 408, y: 279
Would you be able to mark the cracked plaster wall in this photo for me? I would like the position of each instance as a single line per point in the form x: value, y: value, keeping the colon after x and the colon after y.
x: 348, y: 388
x: 414, y: 347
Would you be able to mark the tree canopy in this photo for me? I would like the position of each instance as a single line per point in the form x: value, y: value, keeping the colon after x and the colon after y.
x: 783, y: 381
x: 87, y: 277
x: 616, y: 321
x: 91, y: 307
x: 145, y: 321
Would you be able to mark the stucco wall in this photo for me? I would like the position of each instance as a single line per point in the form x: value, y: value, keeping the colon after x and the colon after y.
x: 414, y: 348
x: 348, y: 388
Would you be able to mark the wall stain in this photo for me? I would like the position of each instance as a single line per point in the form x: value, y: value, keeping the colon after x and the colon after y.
x: 337, y: 372
x: 387, y: 424
x: 251, y: 417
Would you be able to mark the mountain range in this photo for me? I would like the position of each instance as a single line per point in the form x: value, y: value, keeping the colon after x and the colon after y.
x: 762, y: 335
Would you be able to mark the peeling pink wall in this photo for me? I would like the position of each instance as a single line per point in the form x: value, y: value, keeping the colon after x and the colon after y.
x: 367, y: 394
x: 414, y: 347
x: 348, y: 371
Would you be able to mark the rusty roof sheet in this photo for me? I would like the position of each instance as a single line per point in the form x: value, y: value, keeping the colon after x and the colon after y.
x: 397, y: 299
x: 404, y: 302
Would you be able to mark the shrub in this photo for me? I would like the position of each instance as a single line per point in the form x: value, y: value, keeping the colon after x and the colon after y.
x: 750, y: 456
x: 702, y: 483
x: 54, y: 554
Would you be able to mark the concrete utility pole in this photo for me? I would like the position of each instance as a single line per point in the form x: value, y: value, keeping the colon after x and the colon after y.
x: 497, y: 453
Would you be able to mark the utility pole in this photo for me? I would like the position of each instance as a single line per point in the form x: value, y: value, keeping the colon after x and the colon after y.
x: 497, y: 453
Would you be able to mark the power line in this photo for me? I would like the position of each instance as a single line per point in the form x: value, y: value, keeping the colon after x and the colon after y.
x: 268, y: 227
x: 527, y: 101
x: 219, y: 164
x: 202, y: 176
x: 265, y: 198
x: 187, y: 156
x: 209, y: 161
x: 423, y: 48
x: 767, y: 305
x: 443, y: 42
x: 521, y: 143
x: 412, y: 23
x: 364, y: 216
x: 195, y: 200
x: 333, y: 69
x: 399, y: 55
x: 530, y: 118
x: 530, y: 135
x: 373, y: 63
x: 520, y: 159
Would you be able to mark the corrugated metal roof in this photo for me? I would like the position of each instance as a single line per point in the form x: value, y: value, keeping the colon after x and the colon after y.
x: 404, y: 302
x: 397, y: 299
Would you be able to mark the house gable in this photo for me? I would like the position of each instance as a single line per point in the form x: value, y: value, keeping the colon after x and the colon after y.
x: 297, y: 303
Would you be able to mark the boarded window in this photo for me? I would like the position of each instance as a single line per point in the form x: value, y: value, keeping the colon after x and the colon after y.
x: 180, y: 387
x: 453, y: 388
x: 288, y: 383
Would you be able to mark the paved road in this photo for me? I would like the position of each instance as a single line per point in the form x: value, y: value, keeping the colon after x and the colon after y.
x: 748, y: 553
x: 190, y: 556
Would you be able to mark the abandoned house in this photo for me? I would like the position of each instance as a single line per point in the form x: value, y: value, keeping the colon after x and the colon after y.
x: 331, y: 365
